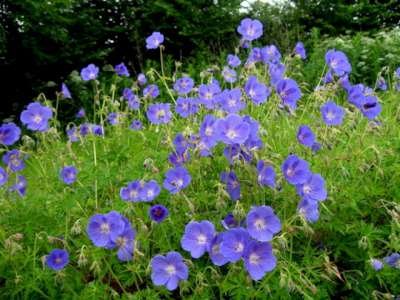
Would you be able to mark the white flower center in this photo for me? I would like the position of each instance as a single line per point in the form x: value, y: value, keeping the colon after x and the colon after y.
x: 306, y: 189
x: 330, y: 115
x: 231, y: 134
x: 104, y: 228
x: 201, y: 239
x: 254, y: 259
x: 37, y: 119
x: 208, y: 131
x: 239, y: 247
x: 259, y: 224
x: 170, y: 269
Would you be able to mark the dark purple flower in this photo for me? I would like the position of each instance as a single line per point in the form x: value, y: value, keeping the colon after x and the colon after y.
x: 233, y: 60
x: 316, y: 147
x: 214, y: 250
x: 208, y: 94
x: 231, y: 101
x: 250, y: 29
x: 97, y: 130
x: 141, y: 79
x: 90, y: 72
x: 81, y: 113
x: 258, y: 92
x: 332, y: 113
x: 313, y: 189
x: 271, y: 54
x: 149, y: 191
x: 377, y: 264
x: 131, y: 192
x: 229, y: 221
x: 262, y: 223
x: 20, y: 186
x: 136, y: 125
x: 232, y: 184
x: 66, y: 94
x: 3, y: 176
x: 300, y: 50
x: 176, y: 179
x: 305, y: 136
x: 295, y: 170
x: 197, y: 237
x: 121, y: 70
x: 233, y: 243
x: 151, y: 91
x: 154, y: 40
x: 36, y: 117
x: 9, y: 134
x: 370, y: 107
x: 186, y: 107
x: 57, y: 259
x: 328, y: 78
x: 103, y: 228
x: 124, y: 240
x: 393, y: 260
x: 337, y: 61
x: 68, y: 174
x: 168, y: 270
x: 309, y: 210
x: 229, y: 75
x: 232, y: 129
x: 289, y: 92
x: 85, y: 129
x: 183, y: 85
x: 14, y: 160
x: 158, y: 213
x: 159, y: 113
x: 258, y: 259
x: 266, y: 174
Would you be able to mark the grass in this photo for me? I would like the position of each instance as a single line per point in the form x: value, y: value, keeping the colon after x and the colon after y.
x: 329, y: 259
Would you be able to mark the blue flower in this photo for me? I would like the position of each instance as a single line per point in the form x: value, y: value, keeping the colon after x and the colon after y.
x: 57, y: 259
x: 197, y: 237
x: 9, y: 134
x: 68, y: 174
x: 90, y: 72
x: 332, y: 113
x: 36, y: 117
x: 250, y: 29
x: 154, y: 40
x: 121, y: 70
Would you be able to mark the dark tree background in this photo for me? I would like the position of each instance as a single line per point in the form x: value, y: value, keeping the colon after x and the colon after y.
x: 44, y: 40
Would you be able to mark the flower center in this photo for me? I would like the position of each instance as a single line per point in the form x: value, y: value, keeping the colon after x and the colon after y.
x: 121, y: 241
x: 330, y: 115
x: 105, y: 228
x: 239, y: 247
x: 259, y: 224
x: 254, y: 259
x: 231, y: 134
x: 209, y: 131
x: 252, y: 93
x: 161, y: 113
x: 171, y: 270
x: 306, y: 189
x: 133, y: 194
x: 201, y: 239
x: 37, y: 119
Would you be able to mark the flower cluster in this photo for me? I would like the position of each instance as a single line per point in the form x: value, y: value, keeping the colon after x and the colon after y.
x: 139, y: 190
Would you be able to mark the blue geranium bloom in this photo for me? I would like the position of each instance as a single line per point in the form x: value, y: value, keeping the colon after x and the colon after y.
x: 214, y: 250
x: 232, y: 129
x: 154, y: 40
x: 121, y: 70
x: 250, y: 29
x: 9, y: 134
x: 381, y: 84
x: 183, y: 85
x: 234, y: 241
x: 208, y: 132
x: 66, y: 94
x: 289, y: 92
x: 14, y: 160
x: 132, y: 191
x: 377, y: 264
x: 393, y: 260
x: 258, y: 92
x: 68, y: 174
x: 57, y: 259
x: 177, y: 158
x: 124, y: 240
x: 337, y: 62
x: 176, y: 179
x: 159, y: 113
x: 229, y: 221
x: 231, y: 101
x: 20, y: 186
x: 300, y: 50
x: 313, y: 189
x: 270, y: 54
x: 81, y: 113
x: 181, y: 143
x: 136, y: 125
x: 168, y: 270
x: 113, y: 118
x: 370, y: 107
x: 98, y: 130
x: 151, y: 91
x: 295, y: 170
x: 229, y: 75
x: 141, y: 79
x: 233, y: 60
x: 158, y: 213
x: 266, y: 174
x: 102, y: 229
x: 232, y: 184
x: 305, y: 136
x: 262, y: 223
x: 186, y: 107
x: 276, y: 72
x: 332, y: 113
x: 197, y: 237
x: 208, y: 94
x: 149, y: 191
x: 90, y: 72
x: 397, y: 73
x: 309, y: 210
x: 73, y: 134
x: 255, y: 56
x: 258, y: 259
x: 36, y: 117
x: 3, y: 176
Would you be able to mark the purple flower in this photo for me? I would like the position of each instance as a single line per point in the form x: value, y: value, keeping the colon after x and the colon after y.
x: 232, y: 184
x: 370, y: 107
x: 266, y: 174
x: 289, y: 92
x: 233, y: 60
x: 184, y: 85
x: 276, y: 72
x: 113, y: 118
x: 232, y: 129
x: 131, y: 192
x: 57, y: 259
x: 300, y: 50
x: 154, y: 40
x: 81, y: 113
x: 332, y: 114
x: 181, y: 143
x: 233, y: 243
x: 254, y: 56
x: 149, y: 191
x: 103, y: 228
x: 214, y: 250
x: 397, y: 73
x: 158, y: 213
x: 337, y: 61
x: 90, y: 72
x: 250, y: 29
x: 151, y: 91
x: 295, y: 170
x: 136, y: 125
x: 377, y: 264
x: 159, y: 113
x: 229, y: 221
x: 197, y: 237
x: 20, y: 186
x: 258, y: 92
x: 68, y: 174
x: 229, y: 75
x: 176, y: 179
x: 309, y: 210
x: 178, y: 158
x: 230, y: 101
x: 270, y: 54
x: 73, y: 134
x: 97, y: 130
x: 258, y: 259
x: 381, y: 84
x: 186, y: 107
x: 393, y: 260
x: 262, y: 223
x: 66, y: 94
x: 313, y: 189
x: 14, y: 160
x: 305, y: 136
x: 9, y: 134
x: 141, y: 79
x: 124, y: 240
x: 121, y: 70
x: 168, y: 270
x: 3, y: 176
x: 36, y: 117
x: 208, y: 94
x: 208, y: 132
